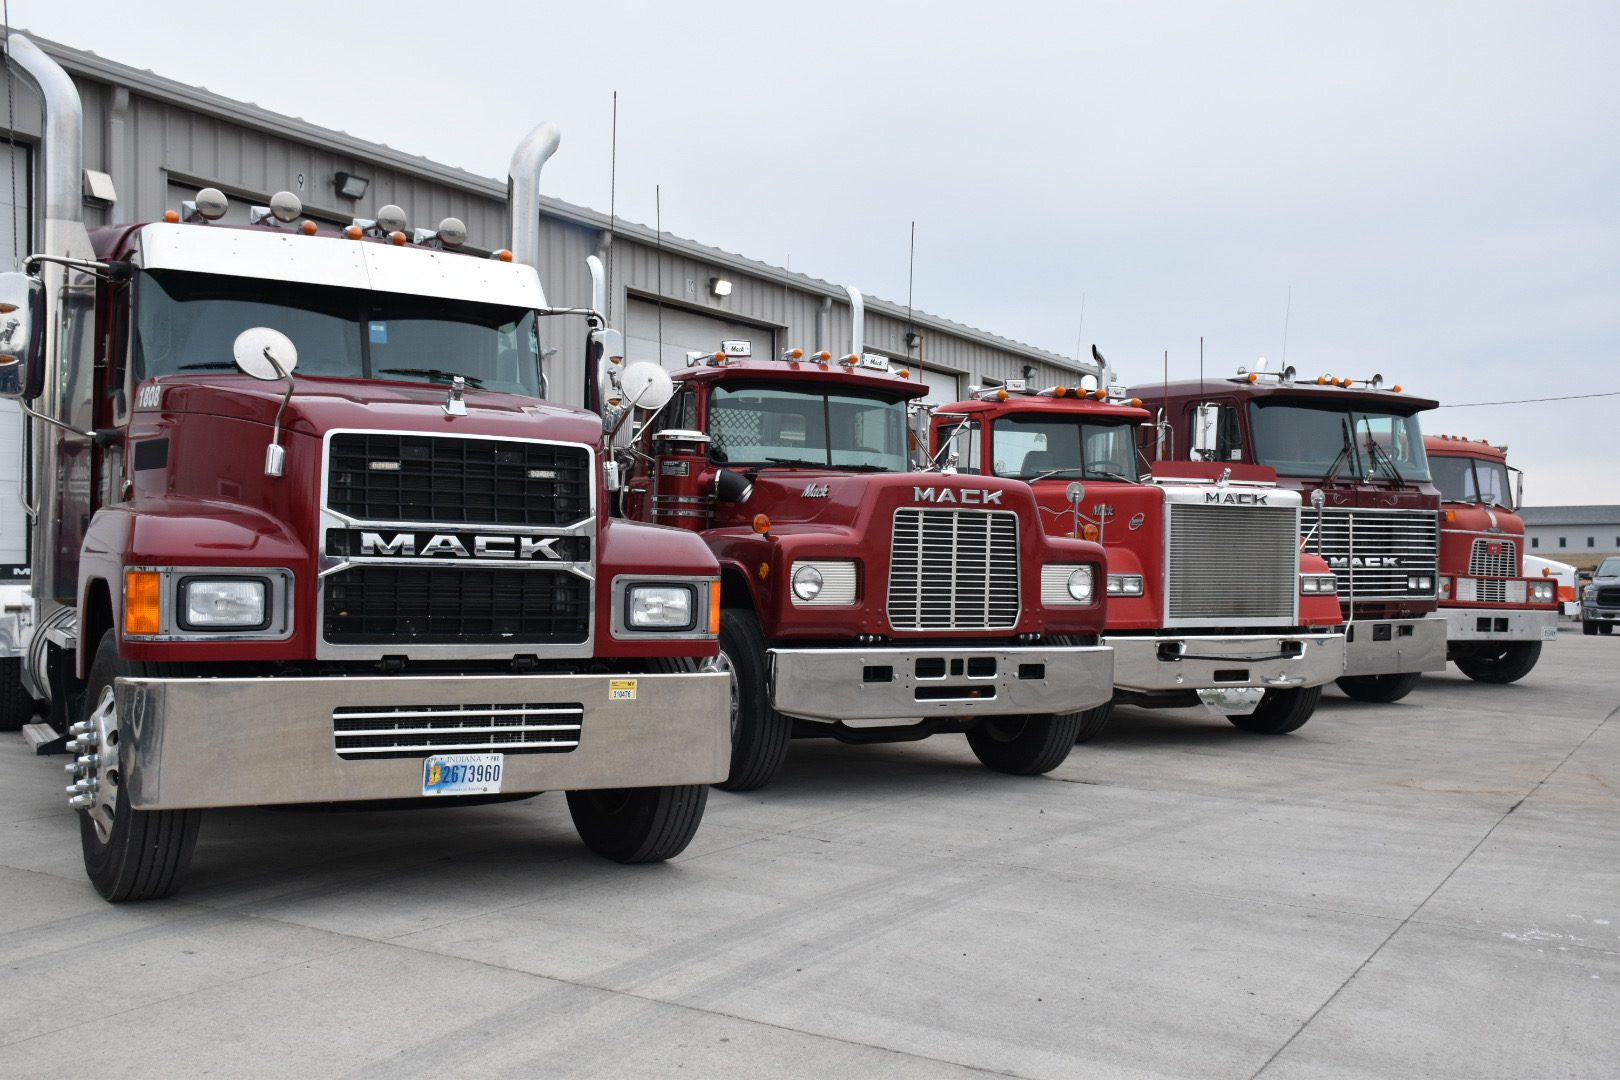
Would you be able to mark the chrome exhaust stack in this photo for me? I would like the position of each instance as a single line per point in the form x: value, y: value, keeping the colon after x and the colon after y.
x: 857, y: 321
x: 523, y: 192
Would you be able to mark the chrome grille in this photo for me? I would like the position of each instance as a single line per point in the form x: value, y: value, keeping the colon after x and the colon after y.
x: 1233, y: 562
x: 953, y: 570
x: 1374, y: 552
x: 1502, y: 562
x: 369, y: 732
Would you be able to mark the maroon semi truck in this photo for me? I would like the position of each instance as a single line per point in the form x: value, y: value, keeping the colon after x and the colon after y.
x: 1353, y: 449
x: 306, y: 531
x: 864, y: 601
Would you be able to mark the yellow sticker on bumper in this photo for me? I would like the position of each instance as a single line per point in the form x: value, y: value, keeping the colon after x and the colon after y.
x: 621, y: 689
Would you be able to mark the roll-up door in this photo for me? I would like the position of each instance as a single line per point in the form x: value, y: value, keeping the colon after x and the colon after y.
x: 682, y: 330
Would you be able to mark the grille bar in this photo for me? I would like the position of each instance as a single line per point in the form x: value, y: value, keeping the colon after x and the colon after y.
x: 455, y: 605
x: 417, y: 730
x: 953, y: 570
x: 1374, y: 552
x: 1501, y: 563
x: 1233, y: 562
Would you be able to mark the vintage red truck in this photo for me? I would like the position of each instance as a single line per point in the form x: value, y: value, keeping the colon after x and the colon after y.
x: 1210, y: 600
x: 1353, y: 449
x: 306, y: 531
x: 862, y: 600
x: 1497, y: 616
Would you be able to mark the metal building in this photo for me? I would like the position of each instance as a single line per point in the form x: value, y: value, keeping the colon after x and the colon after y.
x: 151, y: 142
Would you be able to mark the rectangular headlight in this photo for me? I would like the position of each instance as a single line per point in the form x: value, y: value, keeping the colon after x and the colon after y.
x: 1124, y: 584
x: 660, y: 607
x: 1318, y: 584
x: 224, y: 604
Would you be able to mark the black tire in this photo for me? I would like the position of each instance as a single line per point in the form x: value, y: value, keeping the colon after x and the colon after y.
x: 144, y: 854
x: 1588, y: 628
x: 1605, y: 627
x: 759, y: 734
x: 16, y: 703
x: 1502, y: 664
x: 638, y: 825
x: 1280, y: 711
x: 1024, y: 745
x: 1093, y: 721
x: 1382, y: 689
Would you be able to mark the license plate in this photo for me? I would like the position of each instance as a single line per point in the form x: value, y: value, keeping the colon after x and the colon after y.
x: 1549, y: 633
x: 462, y: 774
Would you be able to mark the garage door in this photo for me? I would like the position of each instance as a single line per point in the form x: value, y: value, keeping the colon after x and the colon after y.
x: 942, y: 385
x: 685, y: 331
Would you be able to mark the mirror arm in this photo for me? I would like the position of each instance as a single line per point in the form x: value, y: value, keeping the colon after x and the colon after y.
x: 70, y: 429
x: 275, y: 455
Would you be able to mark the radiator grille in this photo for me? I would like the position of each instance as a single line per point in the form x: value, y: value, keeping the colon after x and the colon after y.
x: 1609, y: 597
x: 370, y: 732
x: 1493, y: 558
x: 375, y: 476
x: 953, y: 570
x: 1374, y: 552
x: 410, y: 605
x: 1239, y: 562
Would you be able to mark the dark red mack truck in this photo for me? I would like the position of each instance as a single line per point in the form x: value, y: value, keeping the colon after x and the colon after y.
x: 864, y: 601
x: 1210, y: 600
x: 1496, y: 616
x: 1353, y: 449
x: 306, y: 531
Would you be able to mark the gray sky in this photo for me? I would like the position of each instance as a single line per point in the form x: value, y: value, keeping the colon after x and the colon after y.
x: 1437, y: 184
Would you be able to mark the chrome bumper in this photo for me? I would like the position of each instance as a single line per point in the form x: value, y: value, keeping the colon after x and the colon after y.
x: 1499, y: 624
x: 253, y: 742
x: 1395, y: 646
x: 889, y: 686
x: 1165, y: 662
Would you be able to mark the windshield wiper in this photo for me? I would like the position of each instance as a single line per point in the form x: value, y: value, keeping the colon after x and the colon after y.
x: 1109, y: 474
x: 434, y: 373
x: 1050, y: 473
x: 215, y: 365
x: 1375, y: 451
x: 799, y: 462
x: 864, y: 466
x: 1345, y: 451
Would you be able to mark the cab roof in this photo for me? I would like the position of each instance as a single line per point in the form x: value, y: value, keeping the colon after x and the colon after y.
x: 1269, y: 389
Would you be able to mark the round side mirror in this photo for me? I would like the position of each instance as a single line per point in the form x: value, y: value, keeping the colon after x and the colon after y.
x: 260, y: 350
x: 646, y: 386
x: 1075, y: 492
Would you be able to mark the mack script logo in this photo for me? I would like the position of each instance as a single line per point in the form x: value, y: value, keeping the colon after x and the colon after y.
x: 1359, y: 562
x: 965, y: 497
x: 412, y: 545
x: 1235, y: 498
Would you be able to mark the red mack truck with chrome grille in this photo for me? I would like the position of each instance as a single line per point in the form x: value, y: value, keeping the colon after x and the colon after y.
x: 864, y: 601
x: 1496, y: 616
x: 1353, y: 449
x: 1210, y: 600
x: 306, y: 531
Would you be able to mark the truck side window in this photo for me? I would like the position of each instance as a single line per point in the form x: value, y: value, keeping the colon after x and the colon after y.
x: 963, y: 440
x: 1228, y: 436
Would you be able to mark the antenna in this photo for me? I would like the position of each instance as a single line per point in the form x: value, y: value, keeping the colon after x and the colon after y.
x: 658, y: 234
x: 1080, y: 337
x: 1288, y: 309
x: 613, y: 189
x: 1200, y: 369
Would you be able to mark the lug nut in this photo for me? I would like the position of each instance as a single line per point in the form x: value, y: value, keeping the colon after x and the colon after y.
x: 90, y: 761
x: 79, y: 728
x: 72, y: 789
x: 71, y: 767
x: 81, y: 802
x: 74, y: 746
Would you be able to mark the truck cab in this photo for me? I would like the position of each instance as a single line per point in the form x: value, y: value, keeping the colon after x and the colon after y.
x: 1353, y: 450
x: 865, y: 601
x: 1210, y: 600
x: 306, y: 530
x: 1497, y: 616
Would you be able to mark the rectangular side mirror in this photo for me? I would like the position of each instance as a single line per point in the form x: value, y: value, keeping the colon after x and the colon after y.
x: 1206, y: 427
x: 22, y: 301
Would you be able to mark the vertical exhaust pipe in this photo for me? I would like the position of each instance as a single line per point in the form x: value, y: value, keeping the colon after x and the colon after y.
x: 857, y: 321
x: 523, y: 192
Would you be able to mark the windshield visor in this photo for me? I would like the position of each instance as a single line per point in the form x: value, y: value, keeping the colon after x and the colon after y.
x: 1310, y: 440
x: 809, y: 427
x: 187, y: 323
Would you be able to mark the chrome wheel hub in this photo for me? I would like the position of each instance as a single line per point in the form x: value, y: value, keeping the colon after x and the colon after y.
x: 722, y: 662
x: 95, y: 771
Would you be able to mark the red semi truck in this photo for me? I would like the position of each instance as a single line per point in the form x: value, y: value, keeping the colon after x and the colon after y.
x: 1210, y: 600
x: 862, y: 600
x: 306, y: 531
x: 1496, y: 615
x: 1353, y: 449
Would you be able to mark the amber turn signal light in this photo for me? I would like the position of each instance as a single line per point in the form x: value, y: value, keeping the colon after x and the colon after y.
x: 762, y: 524
x: 714, y: 606
x: 143, y: 602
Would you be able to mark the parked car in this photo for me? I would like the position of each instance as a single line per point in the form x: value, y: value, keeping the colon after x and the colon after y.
x: 1600, y: 601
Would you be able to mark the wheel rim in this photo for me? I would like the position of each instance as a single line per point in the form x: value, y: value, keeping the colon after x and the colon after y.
x: 723, y: 663
x: 100, y: 780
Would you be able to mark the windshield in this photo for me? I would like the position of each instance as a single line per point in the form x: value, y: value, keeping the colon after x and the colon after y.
x: 1609, y: 568
x: 773, y: 425
x: 1463, y: 479
x: 1064, y: 447
x: 187, y: 322
x: 1309, y: 440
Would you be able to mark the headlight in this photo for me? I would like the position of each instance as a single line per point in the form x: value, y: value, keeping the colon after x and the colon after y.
x: 1420, y: 584
x: 807, y: 583
x: 1119, y: 585
x: 1318, y: 584
x: 1542, y: 592
x: 223, y: 604
x: 1589, y: 593
x: 1082, y: 584
x: 660, y: 607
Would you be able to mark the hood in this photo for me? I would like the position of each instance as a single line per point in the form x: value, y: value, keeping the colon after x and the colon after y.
x: 320, y: 405
x: 828, y: 498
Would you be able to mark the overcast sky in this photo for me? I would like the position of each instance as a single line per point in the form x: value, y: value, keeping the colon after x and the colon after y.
x: 1436, y: 186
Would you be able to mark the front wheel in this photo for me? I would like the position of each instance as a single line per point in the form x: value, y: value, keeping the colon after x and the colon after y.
x: 1093, y: 721
x: 759, y: 734
x: 1605, y: 627
x: 638, y: 825
x: 1505, y: 664
x: 129, y: 854
x: 1589, y: 628
x: 1382, y: 689
x: 1280, y: 711
x: 1024, y: 745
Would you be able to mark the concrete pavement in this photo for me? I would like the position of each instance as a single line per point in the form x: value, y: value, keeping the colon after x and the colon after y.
x: 1430, y: 889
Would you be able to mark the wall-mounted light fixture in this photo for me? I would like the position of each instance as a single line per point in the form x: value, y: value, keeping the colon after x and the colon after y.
x: 1029, y: 371
x: 350, y: 186
x: 720, y: 286
x: 913, y: 339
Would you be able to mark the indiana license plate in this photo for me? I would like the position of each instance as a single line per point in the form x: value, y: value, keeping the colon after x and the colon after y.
x: 1549, y: 633
x: 462, y: 774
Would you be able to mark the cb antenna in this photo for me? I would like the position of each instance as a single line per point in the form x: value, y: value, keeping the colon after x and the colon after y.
x: 1288, y: 308
x: 658, y: 234
x: 613, y: 190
